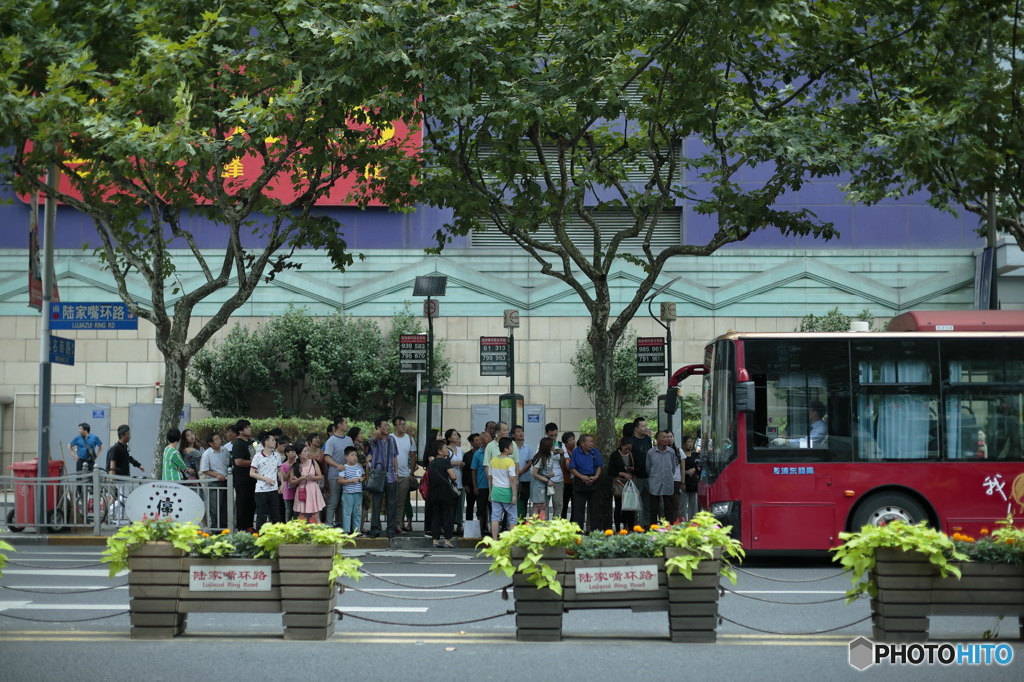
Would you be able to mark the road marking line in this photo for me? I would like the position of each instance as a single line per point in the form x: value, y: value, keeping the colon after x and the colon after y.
x: 382, y: 609
x: 65, y: 573
x: 29, y: 606
x: 410, y: 575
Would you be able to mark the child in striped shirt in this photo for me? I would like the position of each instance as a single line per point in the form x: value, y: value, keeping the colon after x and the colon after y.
x: 351, y: 479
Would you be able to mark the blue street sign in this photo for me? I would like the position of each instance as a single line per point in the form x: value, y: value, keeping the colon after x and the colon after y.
x: 62, y: 351
x: 97, y: 316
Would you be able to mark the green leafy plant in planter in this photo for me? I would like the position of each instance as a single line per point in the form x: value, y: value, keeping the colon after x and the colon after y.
x: 857, y: 553
x: 298, y: 532
x: 621, y: 545
x: 4, y: 547
x: 702, y: 537
x: 184, y: 536
x: 535, y: 536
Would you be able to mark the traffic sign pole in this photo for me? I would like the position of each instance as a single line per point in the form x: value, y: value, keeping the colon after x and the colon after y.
x: 45, y: 368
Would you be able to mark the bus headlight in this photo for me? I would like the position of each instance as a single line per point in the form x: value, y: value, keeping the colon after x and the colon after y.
x: 721, y: 509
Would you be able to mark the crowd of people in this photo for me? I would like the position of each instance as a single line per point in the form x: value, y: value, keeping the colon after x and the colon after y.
x: 363, y: 483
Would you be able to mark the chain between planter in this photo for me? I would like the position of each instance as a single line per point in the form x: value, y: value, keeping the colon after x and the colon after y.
x: 783, y: 580
x: 421, y: 587
x: 77, y: 620
x: 800, y: 634
x: 90, y: 591
x: 723, y: 589
x: 394, y: 596
x: 342, y: 615
x: 18, y: 563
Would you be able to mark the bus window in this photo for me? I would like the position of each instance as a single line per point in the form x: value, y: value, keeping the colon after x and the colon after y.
x: 802, y: 406
x: 984, y: 426
x: 897, y: 407
x: 984, y: 406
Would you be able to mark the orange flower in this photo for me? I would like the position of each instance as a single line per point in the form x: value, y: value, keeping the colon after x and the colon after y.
x: 206, y: 535
x: 655, y: 526
x: 984, y: 531
x: 255, y: 535
x: 638, y: 529
x: 225, y: 532
x: 579, y: 540
x: 623, y: 532
x: 609, y: 532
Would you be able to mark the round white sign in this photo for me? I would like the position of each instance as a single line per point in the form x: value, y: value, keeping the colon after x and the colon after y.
x: 163, y: 499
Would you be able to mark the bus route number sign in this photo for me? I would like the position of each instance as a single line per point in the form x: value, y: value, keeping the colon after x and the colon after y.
x: 494, y: 356
x: 412, y: 353
x: 650, y: 356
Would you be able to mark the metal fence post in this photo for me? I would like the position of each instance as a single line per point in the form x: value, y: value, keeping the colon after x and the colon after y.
x: 230, y: 492
x: 96, y: 516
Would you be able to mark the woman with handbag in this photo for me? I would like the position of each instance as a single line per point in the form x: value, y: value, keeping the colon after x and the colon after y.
x: 543, y: 469
x: 621, y: 470
x: 306, y: 476
x: 443, y: 494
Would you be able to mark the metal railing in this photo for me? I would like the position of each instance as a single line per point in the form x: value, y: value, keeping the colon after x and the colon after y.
x: 94, y: 501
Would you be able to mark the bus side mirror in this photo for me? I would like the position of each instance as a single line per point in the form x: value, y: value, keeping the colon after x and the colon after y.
x: 671, y: 401
x: 745, y: 396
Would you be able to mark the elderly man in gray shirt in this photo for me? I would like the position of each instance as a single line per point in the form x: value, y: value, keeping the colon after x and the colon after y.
x: 662, y: 465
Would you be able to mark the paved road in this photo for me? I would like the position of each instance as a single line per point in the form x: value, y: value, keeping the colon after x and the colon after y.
x: 85, y: 630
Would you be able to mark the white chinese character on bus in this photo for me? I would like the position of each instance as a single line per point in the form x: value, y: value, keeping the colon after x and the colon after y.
x: 995, y: 483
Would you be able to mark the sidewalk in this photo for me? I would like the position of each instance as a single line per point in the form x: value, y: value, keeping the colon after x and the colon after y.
x: 413, y: 540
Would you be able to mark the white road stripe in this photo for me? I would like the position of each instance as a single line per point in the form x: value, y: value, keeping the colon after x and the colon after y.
x: 60, y: 587
x: 381, y: 609
x: 64, y: 572
x: 790, y: 591
x: 408, y: 575
x: 29, y: 606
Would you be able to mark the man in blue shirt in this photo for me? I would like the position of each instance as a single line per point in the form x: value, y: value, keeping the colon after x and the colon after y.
x: 85, y: 447
x: 480, y: 485
x: 585, y: 465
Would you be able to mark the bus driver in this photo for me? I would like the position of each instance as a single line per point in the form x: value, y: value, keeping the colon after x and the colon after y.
x: 818, y: 429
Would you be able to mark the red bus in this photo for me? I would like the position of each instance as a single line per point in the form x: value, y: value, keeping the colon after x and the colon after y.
x: 805, y: 435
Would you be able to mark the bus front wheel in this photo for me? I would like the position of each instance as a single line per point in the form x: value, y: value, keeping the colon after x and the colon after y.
x: 882, y: 508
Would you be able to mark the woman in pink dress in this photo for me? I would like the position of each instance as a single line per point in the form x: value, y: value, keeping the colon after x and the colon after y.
x: 305, y: 474
x: 291, y: 455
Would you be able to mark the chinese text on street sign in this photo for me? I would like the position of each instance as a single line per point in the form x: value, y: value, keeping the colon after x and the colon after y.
x: 617, y: 579
x: 109, y: 316
x: 62, y: 351
x: 216, y: 578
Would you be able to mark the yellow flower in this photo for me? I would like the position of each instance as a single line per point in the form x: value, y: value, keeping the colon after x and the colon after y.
x: 255, y: 535
x: 655, y: 526
x: 623, y: 532
x: 206, y: 535
x: 984, y: 531
x: 225, y: 532
x: 579, y: 540
x: 609, y: 532
x: 638, y: 529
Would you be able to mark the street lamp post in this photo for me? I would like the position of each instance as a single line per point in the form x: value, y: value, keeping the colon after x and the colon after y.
x: 429, y: 286
x: 667, y: 317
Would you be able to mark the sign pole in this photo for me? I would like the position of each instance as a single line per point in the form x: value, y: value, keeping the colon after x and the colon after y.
x: 45, y: 368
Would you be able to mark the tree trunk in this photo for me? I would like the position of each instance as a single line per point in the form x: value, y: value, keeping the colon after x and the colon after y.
x: 604, y: 403
x: 175, y: 364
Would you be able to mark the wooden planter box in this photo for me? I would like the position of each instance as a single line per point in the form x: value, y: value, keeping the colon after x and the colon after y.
x: 910, y: 590
x: 158, y: 585
x: 692, y: 605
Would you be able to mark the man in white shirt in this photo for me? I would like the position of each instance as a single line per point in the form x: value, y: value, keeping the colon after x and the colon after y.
x: 406, y: 468
x: 214, y: 465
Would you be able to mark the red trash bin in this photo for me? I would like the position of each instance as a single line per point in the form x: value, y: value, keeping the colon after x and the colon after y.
x: 25, y: 494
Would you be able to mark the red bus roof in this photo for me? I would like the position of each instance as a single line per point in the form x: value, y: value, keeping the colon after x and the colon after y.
x: 958, y: 320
